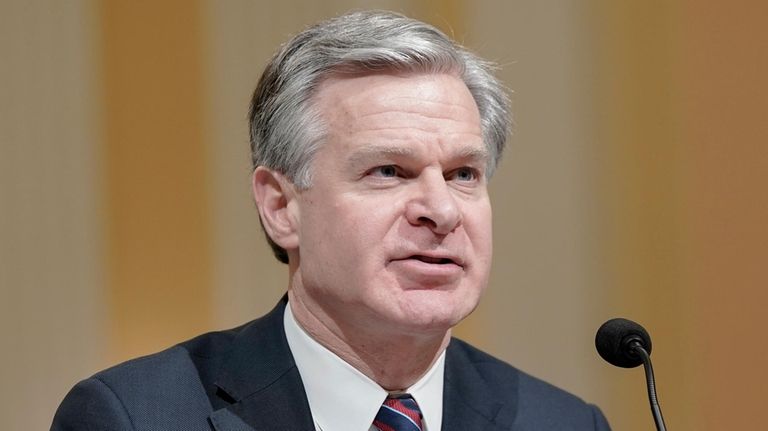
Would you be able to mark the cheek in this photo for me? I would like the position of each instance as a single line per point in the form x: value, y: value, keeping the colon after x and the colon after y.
x: 479, y: 225
x: 363, y: 228
x: 351, y: 229
x: 479, y: 228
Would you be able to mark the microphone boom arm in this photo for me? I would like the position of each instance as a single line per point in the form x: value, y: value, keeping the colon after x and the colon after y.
x: 637, y: 348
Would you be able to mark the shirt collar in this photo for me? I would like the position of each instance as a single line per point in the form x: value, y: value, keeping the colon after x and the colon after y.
x: 344, y: 399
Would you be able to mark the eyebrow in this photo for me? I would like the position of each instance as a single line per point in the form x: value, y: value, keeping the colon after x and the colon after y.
x: 473, y: 154
x: 375, y: 152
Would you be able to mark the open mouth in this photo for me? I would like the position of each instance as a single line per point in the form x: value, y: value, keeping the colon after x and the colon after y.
x: 433, y: 260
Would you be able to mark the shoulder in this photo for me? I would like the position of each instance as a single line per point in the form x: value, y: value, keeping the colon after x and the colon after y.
x: 176, y: 366
x: 526, y: 399
x: 161, y: 388
x: 177, y: 389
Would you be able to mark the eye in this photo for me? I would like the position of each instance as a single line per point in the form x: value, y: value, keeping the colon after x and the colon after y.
x: 386, y: 171
x: 465, y: 174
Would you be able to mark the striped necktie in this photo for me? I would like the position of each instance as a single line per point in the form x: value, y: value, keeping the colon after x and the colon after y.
x: 399, y: 414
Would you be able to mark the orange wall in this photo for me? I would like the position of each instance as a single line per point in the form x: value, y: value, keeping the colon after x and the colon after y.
x: 680, y: 109
x: 723, y: 75
x: 158, y: 235
x: 638, y: 178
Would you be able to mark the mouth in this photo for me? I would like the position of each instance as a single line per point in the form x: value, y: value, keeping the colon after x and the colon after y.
x: 432, y: 270
x: 433, y: 260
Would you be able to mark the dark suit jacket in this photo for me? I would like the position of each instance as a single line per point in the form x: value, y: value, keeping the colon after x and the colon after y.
x: 245, y: 379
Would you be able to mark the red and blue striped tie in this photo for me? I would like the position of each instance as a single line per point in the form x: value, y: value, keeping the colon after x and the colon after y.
x: 399, y: 414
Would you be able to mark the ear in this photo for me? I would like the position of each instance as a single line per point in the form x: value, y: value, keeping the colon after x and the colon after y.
x: 275, y: 197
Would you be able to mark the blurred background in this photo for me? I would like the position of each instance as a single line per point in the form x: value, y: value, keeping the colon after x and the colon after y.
x: 634, y: 185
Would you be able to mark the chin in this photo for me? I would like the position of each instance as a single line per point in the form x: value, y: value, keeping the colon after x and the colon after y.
x: 435, y: 311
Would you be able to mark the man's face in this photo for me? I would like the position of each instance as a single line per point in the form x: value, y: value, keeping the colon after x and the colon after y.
x: 395, y: 231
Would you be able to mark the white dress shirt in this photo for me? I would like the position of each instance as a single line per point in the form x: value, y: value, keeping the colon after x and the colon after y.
x: 341, y: 398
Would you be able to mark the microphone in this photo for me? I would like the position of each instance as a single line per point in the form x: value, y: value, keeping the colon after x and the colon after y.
x: 626, y: 344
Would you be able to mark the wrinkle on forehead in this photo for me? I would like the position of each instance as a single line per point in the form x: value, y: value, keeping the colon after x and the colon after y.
x: 402, y: 121
x: 422, y: 100
x: 372, y: 152
x: 419, y: 105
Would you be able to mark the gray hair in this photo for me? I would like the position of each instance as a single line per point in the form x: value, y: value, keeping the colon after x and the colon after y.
x: 285, y: 128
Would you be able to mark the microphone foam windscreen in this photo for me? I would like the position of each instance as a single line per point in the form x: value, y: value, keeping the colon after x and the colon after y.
x: 613, y: 342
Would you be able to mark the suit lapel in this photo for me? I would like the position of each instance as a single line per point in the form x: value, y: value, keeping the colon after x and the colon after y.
x: 260, y: 388
x: 259, y: 383
x: 469, y: 403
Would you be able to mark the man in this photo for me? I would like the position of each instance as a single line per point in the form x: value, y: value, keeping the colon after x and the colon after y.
x: 373, y: 138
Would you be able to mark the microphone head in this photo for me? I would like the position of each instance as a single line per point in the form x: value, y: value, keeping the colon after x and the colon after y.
x: 614, y: 342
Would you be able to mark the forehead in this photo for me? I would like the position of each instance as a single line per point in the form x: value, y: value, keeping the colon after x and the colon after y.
x: 399, y: 107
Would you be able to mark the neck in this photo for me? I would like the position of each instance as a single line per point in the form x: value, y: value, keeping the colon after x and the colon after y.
x: 394, y: 361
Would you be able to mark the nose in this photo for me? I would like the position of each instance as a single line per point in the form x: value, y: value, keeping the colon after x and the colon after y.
x: 433, y: 205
